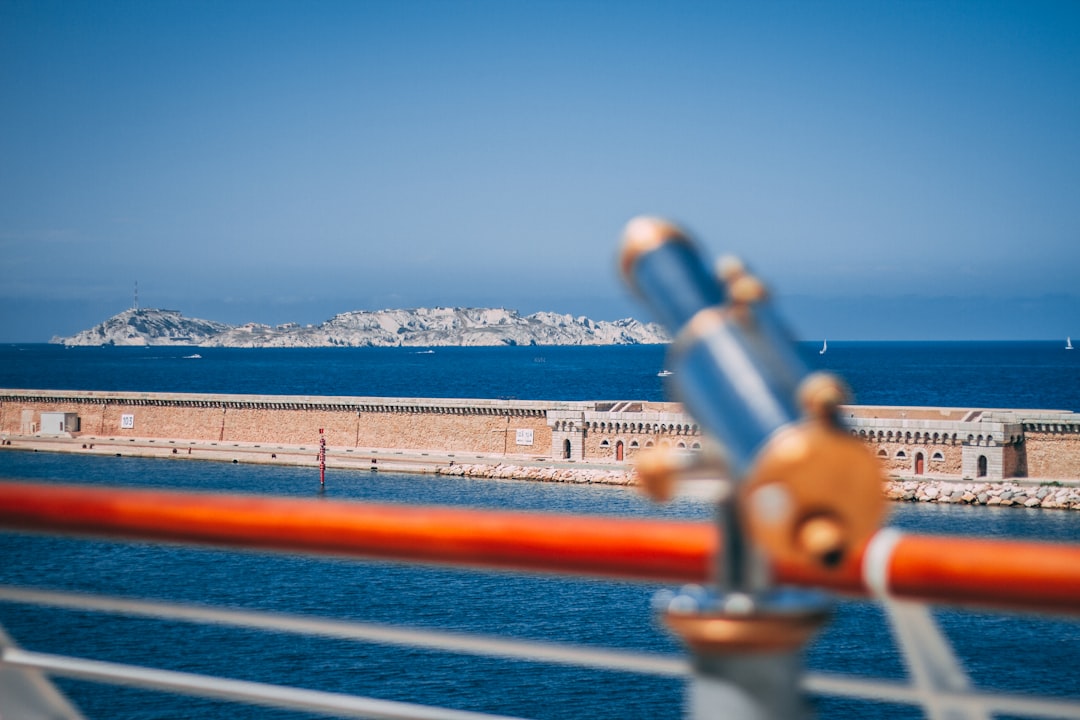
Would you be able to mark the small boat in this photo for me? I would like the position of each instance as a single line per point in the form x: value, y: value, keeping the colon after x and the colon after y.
x: 824, y: 347
x: 664, y: 373
x: 1068, y: 343
x: 196, y: 356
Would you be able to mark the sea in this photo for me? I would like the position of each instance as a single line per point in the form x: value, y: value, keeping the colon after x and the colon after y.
x: 1002, y: 652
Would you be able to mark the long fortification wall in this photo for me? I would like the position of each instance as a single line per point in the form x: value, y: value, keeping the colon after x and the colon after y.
x: 481, y: 426
x: 938, y: 442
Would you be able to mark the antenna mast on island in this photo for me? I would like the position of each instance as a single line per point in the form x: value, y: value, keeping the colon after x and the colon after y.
x: 136, y: 306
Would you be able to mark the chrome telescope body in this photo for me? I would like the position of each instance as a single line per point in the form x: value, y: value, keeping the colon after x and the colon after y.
x: 804, y: 490
x: 734, y: 365
x: 800, y: 492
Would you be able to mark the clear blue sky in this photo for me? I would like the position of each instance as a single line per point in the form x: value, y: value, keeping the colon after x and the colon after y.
x: 904, y: 170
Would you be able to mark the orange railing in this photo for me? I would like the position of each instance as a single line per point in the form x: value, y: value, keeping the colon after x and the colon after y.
x: 974, y: 572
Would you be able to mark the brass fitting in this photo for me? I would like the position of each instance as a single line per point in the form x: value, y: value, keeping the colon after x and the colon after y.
x: 820, y: 394
x: 645, y: 233
x: 709, y: 633
x: 813, y: 495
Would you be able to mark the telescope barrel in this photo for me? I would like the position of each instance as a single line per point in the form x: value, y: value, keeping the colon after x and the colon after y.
x: 662, y: 265
x: 734, y: 368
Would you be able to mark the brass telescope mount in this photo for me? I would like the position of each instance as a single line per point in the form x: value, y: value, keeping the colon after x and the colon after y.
x: 795, y: 488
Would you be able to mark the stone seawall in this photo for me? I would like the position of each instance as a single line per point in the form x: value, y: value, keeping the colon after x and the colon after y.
x: 581, y: 476
x: 1003, y: 494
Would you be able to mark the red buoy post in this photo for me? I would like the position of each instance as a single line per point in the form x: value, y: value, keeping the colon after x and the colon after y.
x: 322, y: 458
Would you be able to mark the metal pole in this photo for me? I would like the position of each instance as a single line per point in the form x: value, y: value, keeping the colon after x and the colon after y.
x: 322, y: 458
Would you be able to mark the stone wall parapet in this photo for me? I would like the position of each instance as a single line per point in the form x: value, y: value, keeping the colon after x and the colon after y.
x: 449, y: 406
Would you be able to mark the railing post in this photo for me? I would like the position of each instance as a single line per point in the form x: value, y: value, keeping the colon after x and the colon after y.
x: 746, y: 653
x: 28, y: 694
x: 756, y: 687
x: 745, y: 639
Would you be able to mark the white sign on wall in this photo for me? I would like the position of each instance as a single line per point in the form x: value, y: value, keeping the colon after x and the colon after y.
x: 127, y: 421
x: 525, y: 437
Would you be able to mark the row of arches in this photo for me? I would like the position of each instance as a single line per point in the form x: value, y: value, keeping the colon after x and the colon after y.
x: 621, y: 446
x: 925, y: 438
x: 918, y: 460
x: 987, y: 440
x: 901, y: 454
x: 907, y: 437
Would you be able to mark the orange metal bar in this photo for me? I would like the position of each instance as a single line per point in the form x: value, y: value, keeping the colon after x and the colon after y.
x: 638, y: 549
x: 955, y: 570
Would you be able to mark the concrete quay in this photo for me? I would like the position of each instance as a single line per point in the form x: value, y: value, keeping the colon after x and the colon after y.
x: 1030, y: 493
x: 464, y: 464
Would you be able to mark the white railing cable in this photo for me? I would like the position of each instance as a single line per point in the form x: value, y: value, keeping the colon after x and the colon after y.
x: 526, y: 650
x: 977, y: 700
x: 263, y: 694
x: 815, y: 683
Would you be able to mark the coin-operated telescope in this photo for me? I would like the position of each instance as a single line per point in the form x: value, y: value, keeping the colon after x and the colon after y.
x: 799, y: 490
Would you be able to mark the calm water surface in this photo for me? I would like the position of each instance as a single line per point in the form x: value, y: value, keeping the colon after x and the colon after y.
x: 965, y: 374
x: 1001, y: 651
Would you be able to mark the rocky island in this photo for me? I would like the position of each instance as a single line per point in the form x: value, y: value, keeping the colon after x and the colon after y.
x: 418, y: 327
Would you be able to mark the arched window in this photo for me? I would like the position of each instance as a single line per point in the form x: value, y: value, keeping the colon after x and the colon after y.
x: 883, y: 453
x: 901, y: 454
x: 566, y: 449
x: 937, y: 457
x: 982, y: 466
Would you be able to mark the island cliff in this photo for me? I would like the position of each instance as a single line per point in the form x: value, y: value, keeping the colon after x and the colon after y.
x: 419, y: 327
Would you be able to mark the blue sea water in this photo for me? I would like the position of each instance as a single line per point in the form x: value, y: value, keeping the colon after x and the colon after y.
x: 1006, y: 652
x: 960, y: 374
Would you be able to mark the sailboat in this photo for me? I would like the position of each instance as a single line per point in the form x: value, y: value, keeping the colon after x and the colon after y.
x: 1068, y: 343
x: 824, y: 347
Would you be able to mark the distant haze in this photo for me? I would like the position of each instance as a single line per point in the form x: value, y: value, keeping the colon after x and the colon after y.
x: 893, y: 170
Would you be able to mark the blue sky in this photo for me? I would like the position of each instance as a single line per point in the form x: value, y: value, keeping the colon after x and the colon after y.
x: 903, y: 170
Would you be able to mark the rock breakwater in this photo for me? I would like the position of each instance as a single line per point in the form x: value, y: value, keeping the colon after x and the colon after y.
x: 1003, y: 494
x: 540, y: 474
